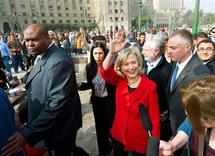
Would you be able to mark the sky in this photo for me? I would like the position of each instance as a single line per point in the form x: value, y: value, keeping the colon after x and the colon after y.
x: 206, y: 5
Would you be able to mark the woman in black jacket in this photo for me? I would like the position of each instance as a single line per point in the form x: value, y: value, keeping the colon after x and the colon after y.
x: 102, y: 98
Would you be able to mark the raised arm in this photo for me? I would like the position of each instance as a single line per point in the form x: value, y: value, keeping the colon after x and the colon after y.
x: 115, y: 46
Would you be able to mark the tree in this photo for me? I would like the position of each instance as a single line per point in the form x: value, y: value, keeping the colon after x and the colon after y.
x: 145, y: 22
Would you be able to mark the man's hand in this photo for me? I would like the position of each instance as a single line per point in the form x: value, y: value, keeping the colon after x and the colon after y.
x: 15, y: 144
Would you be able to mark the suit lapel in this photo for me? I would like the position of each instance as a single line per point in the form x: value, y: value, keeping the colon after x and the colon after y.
x: 37, y: 68
x: 184, y: 73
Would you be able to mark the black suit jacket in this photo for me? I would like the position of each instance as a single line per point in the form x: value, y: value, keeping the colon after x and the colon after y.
x: 192, y: 71
x: 54, y: 108
x: 211, y: 66
x: 160, y: 75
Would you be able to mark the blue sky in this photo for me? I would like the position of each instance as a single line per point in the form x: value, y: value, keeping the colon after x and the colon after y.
x: 206, y: 5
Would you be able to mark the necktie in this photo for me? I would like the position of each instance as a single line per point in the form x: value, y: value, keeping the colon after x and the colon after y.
x: 174, y: 77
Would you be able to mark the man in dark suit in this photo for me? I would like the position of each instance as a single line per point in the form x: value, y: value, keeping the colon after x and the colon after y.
x: 158, y: 70
x: 186, y: 69
x: 206, y: 53
x: 212, y: 35
x: 54, y: 109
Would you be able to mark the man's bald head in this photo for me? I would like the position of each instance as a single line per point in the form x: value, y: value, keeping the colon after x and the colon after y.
x: 37, y: 39
x: 37, y: 27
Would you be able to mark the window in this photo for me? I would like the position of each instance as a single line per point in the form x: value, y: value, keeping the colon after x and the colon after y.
x: 68, y: 21
x: 59, y: 14
x: 88, y: 1
x: 111, y: 19
x: 67, y: 14
x: 41, y: 7
x: 81, y: 8
x: 34, y: 21
x: 50, y: 8
x: 89, y: 21
x: 82, y: 21
x: 44, y: 21
x: 24, y: 14
x: 75, y: 21
x: 26, y: 21
x: 121, y: 3
x: 122, y: 19
x: 41, y: 2
x: 116, y: 18
x: 74, y: 14
x: 58, y: 8
x: 22, y: 6
x: 52, y: 21
x: 51, y: 15
x: 42, y: 14
x: 115, y: 2
x: 33, y: 14
x: 66, y: 8
x: 121, y: 11
x: 60, y: 21
x: 116, y: 11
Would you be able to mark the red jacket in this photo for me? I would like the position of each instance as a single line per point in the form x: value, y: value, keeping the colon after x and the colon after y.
x: 127, y: 127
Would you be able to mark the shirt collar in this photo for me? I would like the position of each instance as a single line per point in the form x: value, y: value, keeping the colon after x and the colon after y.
x: 155, y: 63
x: 183, y: 64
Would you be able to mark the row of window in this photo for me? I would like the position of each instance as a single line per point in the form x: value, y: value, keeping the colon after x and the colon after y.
x: 56, y: 21
x: 116, y: 19
x: 116, y: 11
x: 115, y: 2
x: 57, y: 14
x: 51, y: 7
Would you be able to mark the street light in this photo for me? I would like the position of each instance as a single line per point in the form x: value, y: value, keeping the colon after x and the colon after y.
x: 140, y: 9
x: 196, y: 17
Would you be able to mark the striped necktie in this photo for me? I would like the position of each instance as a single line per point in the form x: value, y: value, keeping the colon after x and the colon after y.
x: 174, y: 77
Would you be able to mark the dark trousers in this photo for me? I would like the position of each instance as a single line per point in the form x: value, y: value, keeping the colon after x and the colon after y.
x: 66, y: 148
x: 103, y: 110
x: 18, y: 61
x: 118, y: 150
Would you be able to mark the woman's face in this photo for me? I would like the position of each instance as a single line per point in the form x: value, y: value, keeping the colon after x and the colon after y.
x: 98, y: 55
x: 130, y: 67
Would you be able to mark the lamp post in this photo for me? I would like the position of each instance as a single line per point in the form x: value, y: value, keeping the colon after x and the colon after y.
x: 140, y: 10
x: 196, y: 17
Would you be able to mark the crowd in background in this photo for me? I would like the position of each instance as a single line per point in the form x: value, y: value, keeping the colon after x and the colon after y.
x: 146, y: 68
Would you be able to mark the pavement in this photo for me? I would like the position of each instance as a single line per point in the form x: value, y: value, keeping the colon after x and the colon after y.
x: 86, y: 137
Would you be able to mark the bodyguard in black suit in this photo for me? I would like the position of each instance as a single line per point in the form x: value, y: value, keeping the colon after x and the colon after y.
x: 189, y: 68
x: 158, y: 70
x: 206, y: 53
x: 54, y: 108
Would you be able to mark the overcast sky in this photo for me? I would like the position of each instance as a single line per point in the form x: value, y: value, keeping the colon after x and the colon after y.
x: 206, y: 5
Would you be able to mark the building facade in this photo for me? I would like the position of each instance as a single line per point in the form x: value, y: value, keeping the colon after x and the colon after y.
x: 112, y: 14
x: 25, y: 12
x: 107, y: 14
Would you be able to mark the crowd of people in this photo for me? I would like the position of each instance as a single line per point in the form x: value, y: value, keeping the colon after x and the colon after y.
x: 168, y: 74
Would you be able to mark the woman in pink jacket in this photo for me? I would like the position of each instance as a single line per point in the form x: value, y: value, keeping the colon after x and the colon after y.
x: 132, y: 89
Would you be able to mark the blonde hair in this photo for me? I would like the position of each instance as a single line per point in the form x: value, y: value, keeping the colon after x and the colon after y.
x: 199, y: 101
x: 122, y: 57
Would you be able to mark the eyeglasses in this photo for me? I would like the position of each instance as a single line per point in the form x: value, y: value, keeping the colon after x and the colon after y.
x: 206, y: 49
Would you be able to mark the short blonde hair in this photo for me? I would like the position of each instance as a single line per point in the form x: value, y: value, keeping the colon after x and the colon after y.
x: 199, y: 101
x: 122, y: 57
